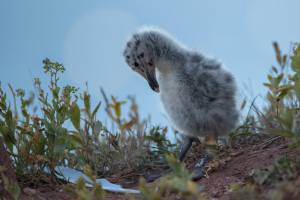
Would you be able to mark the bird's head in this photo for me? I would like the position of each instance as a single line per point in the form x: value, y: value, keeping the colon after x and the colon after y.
x: 141, y: 55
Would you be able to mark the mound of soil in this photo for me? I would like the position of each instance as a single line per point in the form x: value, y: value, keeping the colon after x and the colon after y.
x: 236, y: 170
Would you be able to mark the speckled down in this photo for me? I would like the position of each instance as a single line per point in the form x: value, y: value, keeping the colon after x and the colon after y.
x: 198, y: 94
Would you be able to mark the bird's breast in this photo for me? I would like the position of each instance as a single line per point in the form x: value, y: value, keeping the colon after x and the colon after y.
x: 173, y: 99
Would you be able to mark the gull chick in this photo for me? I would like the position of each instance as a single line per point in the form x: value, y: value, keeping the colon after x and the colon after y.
x: 197, y: 93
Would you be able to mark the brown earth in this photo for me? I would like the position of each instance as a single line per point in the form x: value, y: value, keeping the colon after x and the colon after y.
x: 240, y: 167
x: 236, y: 170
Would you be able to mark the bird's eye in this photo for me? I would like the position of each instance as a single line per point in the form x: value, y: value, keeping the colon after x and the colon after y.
x: 127, y: 57
x: 136, y: 64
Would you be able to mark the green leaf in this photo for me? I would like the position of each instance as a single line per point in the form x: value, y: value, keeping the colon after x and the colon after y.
x: 75, y: 140
x: 278, y: 52
x: 286, y: 118
x: 80, y: 183
x: 96, y: 109
x: 9, y: 130
x: 9, y: 119
x: 268, y: 85
x: 60, y: 145
x: 117, y: 108
x: 296, y: 59
x: 284, y: 91
x: 9, y: 139
x: 297, y: 87
x: 274, y: 69
x: 89, y: 172
x: 278, y: 79
x: 98, y: 191
x: 87, y: 102
x: 75, y: 115
x: 270, y: 78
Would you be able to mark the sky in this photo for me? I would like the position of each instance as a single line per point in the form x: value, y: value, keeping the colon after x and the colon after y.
x: 88, y: 37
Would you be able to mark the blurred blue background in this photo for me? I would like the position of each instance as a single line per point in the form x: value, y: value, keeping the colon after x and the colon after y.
x: 89, y: 36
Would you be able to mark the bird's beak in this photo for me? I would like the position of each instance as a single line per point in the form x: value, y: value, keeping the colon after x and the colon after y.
x: 151, y: 78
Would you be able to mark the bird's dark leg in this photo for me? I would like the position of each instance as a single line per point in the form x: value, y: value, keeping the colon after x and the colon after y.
x: 199, y: 168
x: 186, y: 145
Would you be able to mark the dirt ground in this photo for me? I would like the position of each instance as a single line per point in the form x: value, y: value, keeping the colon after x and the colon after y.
x: 240, y: 166
x: 236, y: 170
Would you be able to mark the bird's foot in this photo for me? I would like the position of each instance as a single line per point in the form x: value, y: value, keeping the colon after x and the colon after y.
x: 186, y: 145
x: 199, y: 170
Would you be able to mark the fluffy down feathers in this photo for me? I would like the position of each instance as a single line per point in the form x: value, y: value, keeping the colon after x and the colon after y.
x: 198, y: 94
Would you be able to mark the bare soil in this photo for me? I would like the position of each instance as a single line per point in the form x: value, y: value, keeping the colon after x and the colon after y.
x: 235, y: 170
x: 238, y: 169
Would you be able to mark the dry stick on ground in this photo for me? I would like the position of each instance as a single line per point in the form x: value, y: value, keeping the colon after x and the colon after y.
x: 8, y: 172
x: 270, y: 141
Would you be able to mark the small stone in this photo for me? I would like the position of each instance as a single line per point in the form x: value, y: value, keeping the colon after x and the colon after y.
x: 29, y: 191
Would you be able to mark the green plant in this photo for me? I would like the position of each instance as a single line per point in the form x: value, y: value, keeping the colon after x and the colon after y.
x: 248, y: 191
x: 60, y: 126
x: 284, y: 169
x: 177, y: 184
x: 283, y: 95
x: 280, y: 179
x: 36, y: 141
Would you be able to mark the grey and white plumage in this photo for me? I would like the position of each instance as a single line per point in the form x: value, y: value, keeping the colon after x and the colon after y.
x: 197, y: 93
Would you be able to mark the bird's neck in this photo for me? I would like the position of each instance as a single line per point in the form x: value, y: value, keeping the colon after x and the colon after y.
x: 172, y: 58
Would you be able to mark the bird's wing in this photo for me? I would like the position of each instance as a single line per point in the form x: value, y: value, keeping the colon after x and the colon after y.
x: 208, y: 85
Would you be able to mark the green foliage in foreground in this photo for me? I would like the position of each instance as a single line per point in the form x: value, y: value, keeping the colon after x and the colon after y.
x: 282, y: 117
x: 60, y: 126
x: 176, y: 185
